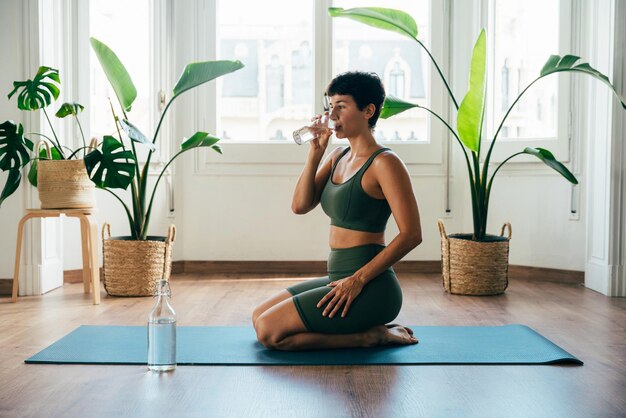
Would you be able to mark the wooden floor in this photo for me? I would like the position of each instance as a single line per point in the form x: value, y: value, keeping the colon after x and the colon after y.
x: 587, y: 324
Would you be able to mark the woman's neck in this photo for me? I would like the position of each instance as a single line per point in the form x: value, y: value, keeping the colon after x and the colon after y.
x: 362, y: 144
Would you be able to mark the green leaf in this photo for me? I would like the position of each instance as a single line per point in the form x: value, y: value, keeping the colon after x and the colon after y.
x: 381, y: 18
x: 548, y: 159
x: 199, y: 139
x: 39, y: 92
x: 14, y: 148
x: 116, y: 74
x: 110, y: 168
x: 198, y: 73
x: 557, y: 64
x: 392, y: 106
x: 471, y: 111
x: 11, y: 185
x: 68, y: 109
x: 135, y: 134
x: 32, y: 172
x: 217, y: 149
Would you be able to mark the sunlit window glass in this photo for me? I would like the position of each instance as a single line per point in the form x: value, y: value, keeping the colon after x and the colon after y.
x: 525, y: 35
x: 273, y: 94
x: 402, y: 64
x: 107, y: 22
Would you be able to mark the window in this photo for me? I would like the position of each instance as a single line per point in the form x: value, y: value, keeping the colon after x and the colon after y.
x: 144, y: 58
x: 291, y: 50
x: 401, y: 63
x: 105, y: 19
x: 522, y: 36
x: 273, y: 94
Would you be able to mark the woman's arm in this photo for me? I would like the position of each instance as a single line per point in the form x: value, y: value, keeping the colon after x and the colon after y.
x: 394, y: 180
x: 309, y: 187
x: 395, y: 183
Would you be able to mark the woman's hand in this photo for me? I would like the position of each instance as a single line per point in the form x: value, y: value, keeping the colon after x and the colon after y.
x: 323, y: 132
x: 343, y: 293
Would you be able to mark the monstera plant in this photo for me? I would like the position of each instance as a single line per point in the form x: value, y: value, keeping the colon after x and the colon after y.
x: 16, y: 147
x: 470, y: 113
x: 115, y: 163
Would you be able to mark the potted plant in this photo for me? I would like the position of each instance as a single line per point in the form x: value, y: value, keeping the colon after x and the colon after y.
x: 476, y: 263
x: 133, y: 264
x: 57, y: 171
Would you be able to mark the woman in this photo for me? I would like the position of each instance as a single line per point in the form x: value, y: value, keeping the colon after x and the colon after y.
x: 358, y: 187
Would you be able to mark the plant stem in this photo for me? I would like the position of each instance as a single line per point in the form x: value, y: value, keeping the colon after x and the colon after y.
x: 445, y: 82
x: 477, y: 208
x: 82, y: 134
x: 161, y: 119
x: 143, y: 180
x: 38, y: 134
x: 495, y: 136
x: 498, y: 168
x: 453, y: 133
x: 137, y: 212
x: 130, y: 219
x: 58, y: 144
x: 76, y: 152
x: 144, y: 227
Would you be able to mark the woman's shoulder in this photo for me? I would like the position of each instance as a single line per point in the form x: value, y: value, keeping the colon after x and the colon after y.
x: 388, y: 156
x: 337, y: 152
x: 388, y: 160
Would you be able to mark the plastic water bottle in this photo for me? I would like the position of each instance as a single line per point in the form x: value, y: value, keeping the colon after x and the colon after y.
x: 307, y: 133
x: 162, y: 331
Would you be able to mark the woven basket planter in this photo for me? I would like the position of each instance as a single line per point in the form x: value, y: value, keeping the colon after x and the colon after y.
x: 64, y: 184
x: 133, y: 267
x: 473, y: 267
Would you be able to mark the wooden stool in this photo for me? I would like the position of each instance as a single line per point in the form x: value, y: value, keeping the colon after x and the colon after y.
x: 89, y: 243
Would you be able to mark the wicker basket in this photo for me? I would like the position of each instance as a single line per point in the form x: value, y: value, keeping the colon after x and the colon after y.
x: 63, y: 184
x: 133, y: 267
x: 474, y: 267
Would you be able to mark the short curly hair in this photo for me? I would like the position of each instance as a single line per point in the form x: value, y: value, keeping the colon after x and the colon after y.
x: 365, y: 88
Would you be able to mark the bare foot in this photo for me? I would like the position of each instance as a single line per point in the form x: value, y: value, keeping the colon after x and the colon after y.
x: 409, y: 330
x: 392, y: 335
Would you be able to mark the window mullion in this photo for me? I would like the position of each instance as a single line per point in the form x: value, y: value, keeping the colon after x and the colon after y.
x: 323, y: 40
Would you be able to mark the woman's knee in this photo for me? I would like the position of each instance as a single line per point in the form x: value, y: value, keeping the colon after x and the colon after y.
x: 265, y: 333
x: 256, y: 313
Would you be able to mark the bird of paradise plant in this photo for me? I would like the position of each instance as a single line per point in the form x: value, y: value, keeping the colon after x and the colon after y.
x: 470, y: 113
x: 114, y: 166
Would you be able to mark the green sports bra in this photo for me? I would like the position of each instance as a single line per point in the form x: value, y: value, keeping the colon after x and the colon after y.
x: 347, y: 204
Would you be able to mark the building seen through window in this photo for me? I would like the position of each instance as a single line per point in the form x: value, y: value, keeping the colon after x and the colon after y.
x: 274, y: 93
x: 525, y: 35
x: 401, y: 64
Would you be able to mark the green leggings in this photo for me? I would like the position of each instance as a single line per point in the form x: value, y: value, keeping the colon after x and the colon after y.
x: 378, y: 303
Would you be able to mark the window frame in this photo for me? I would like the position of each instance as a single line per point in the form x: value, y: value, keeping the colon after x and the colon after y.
x: 248, y: 158
x: 160, y: 73
x: 560, y: 145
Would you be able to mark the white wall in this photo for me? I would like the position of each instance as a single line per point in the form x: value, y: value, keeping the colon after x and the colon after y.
x: 10, y: 69
x: 248, y: 217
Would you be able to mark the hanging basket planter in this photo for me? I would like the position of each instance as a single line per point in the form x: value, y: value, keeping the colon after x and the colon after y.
x: 63, y: 184
x: 475, y: 267
x: 134, y: 267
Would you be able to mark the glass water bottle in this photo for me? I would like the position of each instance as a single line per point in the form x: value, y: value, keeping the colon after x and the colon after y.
x: 307, y: 133
x: 162, y: 331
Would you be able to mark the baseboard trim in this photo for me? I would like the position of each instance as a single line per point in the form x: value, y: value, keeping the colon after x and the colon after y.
x: 287, y: 268
x: 6, y: 287
x: 313, y: 268
x: 547, y: 274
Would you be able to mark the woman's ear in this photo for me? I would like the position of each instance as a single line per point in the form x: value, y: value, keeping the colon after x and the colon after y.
x: 370, y: 109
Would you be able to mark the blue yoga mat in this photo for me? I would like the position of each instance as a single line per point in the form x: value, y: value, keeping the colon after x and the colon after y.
x: 508, y: 344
